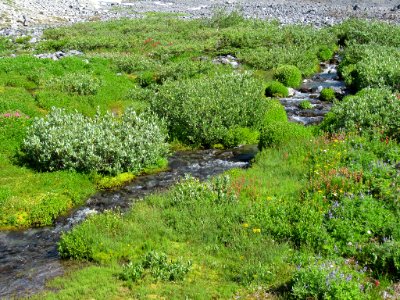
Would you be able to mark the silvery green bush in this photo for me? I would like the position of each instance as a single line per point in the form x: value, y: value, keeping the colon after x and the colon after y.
x: 104, y: 143
x: 371, y: 66
x: 368, y: 110
x: 75, y: 83
x: 202, y: 111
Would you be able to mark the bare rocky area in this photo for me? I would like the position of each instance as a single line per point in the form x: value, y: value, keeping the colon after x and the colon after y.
x: 19, y: 17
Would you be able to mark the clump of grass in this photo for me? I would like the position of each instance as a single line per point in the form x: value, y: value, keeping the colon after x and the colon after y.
x: 276, y: 89
x: 327, y: 94
x: 288, y: 75
x: 305, y: 104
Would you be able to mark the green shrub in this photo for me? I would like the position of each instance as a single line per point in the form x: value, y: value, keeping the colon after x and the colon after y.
x: 81, y: 242
x: 224, y: 19
x: 368, y: 32
x: 103, y: 144
x: 48, y: 209
x: 276, y: 89
x: 369, y: 110
x: 327, y: 94
x: 240, y: 136
x: 134, y: 63
x: 275, y: 112
x: 357, y: 221
x: 305, y: 104
x: 288, y: 75
x: 276, y: 134
x: 381, y: 258
x: 202, y: 111
x: 325, y: 53
x: 328, y: 280
x: 371, y: 66
x: 158, y: 267
x: 76, y: 83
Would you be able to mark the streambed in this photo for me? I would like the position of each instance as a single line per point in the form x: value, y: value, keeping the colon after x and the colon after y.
x: 28, y: 258
x: 310, y: 90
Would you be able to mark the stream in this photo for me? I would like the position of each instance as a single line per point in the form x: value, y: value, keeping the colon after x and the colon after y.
x: 29, y: 257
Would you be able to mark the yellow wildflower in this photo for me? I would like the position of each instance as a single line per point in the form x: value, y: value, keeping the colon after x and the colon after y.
x: 256, y: 230
x: 245, y: 225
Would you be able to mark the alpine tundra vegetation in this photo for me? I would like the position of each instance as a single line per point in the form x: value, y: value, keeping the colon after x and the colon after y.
x: 316, y: 216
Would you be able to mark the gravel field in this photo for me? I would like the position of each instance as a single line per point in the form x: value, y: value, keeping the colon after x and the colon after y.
x: 22, y: 16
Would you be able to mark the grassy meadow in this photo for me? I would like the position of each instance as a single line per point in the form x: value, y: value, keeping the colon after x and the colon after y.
x: 315, y: 217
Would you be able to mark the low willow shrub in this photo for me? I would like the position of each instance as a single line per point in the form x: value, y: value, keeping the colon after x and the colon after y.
x: 157, y: 266
x: 288, y: 75
x: 275, y: 112
x: 368, y: 110
x: 371, y: 66
x: 104, y: 144
x: 368, y: 32
x: 275, y: 134
x: 202, y: 111
x: 325, y: 53
x: 75, y: 83
x: 276, y: 89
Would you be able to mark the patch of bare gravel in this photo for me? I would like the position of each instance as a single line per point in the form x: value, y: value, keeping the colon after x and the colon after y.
x: 20, y: 16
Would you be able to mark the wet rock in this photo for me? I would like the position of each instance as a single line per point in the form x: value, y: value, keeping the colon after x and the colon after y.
x: 396, y: 8
x: 291, y: 92
x: 59, y: 54
x: 227, y: 60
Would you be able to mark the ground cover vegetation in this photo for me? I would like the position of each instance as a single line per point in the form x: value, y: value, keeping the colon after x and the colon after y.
x: 315, y: 217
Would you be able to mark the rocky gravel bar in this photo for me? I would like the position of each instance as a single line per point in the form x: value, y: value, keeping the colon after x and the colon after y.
x: 30, y: 17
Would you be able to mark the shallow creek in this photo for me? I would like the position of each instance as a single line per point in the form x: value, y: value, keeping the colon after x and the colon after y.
x: 28, y: 258
x: 310, y: 90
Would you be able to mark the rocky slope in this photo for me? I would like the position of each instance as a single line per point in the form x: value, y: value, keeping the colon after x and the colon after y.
x: 20, y: 14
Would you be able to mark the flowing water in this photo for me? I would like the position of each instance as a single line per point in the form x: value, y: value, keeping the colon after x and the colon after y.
x: 310, y: 90
x: 28, y: 258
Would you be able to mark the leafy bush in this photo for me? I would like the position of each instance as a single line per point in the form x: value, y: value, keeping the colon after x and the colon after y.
x: 288, y: 75
x: 382, y: 258
x: 370, y: 109
x: 134, y: 63
x: 328, y: 280
x: 276, y: 89
x: 356, y: 220
x: 275, y: 112
x: 158, y: 267
x: 368, y: 32
x: 241, y: 136
x: 222, y: 19
x: 327, y: 94
x: 325, y: 53
x: 76, y: 83
x: 371, y: 66
x: 279, y: 133
x: 305, y: 104
x: 49, y: 208
x: 202, y: 111
x: 103, y: 144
